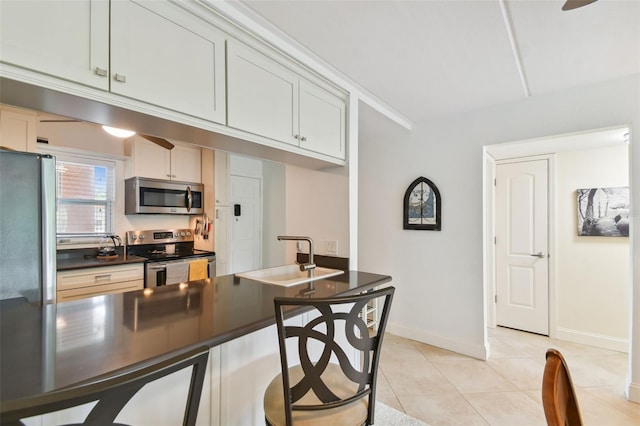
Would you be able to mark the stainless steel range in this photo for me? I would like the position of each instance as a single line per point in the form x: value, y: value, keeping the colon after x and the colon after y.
x: 171, y: 257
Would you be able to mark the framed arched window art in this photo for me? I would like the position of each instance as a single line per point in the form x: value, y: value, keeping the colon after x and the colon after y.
x: 422, y: 204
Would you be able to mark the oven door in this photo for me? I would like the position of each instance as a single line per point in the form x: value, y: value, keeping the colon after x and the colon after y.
x: 155, y: 274
x: 173, y: 272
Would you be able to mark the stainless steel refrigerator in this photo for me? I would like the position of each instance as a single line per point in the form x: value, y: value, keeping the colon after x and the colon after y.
x: 27, y: 226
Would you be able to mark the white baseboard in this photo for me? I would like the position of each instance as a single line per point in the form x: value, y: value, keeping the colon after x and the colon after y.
x: 633, y: 392
x: 476, y: 351
x: 592, y: 339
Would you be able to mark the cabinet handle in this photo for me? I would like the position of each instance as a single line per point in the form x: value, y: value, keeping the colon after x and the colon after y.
x: 168, y: 176
x: 101, y: 72
x: 173, y: 175
x: 304, y: 138
x: 103, y: 277
x: 296, y: 136
x: 120, y: 78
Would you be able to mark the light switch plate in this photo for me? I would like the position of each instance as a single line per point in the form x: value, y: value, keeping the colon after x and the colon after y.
x: 331, y: 247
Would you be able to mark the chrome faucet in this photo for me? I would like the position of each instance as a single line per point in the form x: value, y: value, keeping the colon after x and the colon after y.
x: 303, y: 266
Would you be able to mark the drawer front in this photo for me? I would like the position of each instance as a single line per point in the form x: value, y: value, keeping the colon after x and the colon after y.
x: 98, y: 290
x: 80, y: 278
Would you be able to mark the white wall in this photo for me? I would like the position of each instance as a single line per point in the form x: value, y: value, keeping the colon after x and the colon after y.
x: 592, y: 275
x: 317, y: 207
x: 439, y: 275
x: 274, y: 213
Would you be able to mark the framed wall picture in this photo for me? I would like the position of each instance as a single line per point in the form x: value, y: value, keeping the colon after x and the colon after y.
x: 603, y: 212
x: 422, y: 205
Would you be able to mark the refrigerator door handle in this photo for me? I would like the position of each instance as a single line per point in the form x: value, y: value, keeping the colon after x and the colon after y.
x: 48, y: 206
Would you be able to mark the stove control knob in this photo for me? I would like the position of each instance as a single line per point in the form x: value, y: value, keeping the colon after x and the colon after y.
x: 182, y: 234
x: 188, y: 233
x: 134, y: 237
x: 142, y: 237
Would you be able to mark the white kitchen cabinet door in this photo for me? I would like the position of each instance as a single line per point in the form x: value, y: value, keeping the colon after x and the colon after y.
x: 65, y: 39
x: 186, y: 163
x: 89, y: 282
x: 17, y: 129
x: 262, y: 95
x: 150, y: 160
x: 182, y: 163
x: 176, y: 65
x: 221, y: 178
x: 322, y: 121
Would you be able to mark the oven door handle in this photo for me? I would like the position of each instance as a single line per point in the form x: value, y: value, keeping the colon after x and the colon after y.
x: 189, y: 199
x: 157, y: 267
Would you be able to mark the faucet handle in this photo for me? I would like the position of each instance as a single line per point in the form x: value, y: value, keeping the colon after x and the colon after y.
x: 307, y: 266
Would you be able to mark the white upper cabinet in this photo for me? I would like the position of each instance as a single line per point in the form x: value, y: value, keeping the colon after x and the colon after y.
x: 186, y: 164
x: 262, y: 95
x: 268, y: 99
x: 152, y: 52
x: 182, y: 163
x: 322, y: 121
x: 169, y: 63
x: 65, y: 39
x: 17, y: 129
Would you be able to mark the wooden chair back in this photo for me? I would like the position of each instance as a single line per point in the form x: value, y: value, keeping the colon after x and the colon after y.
x: 558, y: 395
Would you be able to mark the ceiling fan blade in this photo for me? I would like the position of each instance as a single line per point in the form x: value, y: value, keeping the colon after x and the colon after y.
x: 158, y: 141
x: 61, y: 121
x: 574, y: 4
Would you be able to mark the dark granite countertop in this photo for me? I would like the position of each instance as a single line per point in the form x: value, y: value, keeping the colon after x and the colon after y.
x: 86, y: 258
x: 81, y: 263
x: 49, y: 347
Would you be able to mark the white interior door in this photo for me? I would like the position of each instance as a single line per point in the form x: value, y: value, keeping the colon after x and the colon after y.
x: 522, y: 263
x: 246, y: 220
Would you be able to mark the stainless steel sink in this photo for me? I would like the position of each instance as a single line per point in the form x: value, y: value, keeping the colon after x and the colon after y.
x: 289, y: 275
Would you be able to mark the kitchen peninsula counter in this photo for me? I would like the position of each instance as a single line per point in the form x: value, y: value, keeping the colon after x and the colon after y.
x: 50, y: 347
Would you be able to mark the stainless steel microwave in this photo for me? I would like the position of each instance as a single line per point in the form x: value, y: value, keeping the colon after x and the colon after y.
x: 156, y: 196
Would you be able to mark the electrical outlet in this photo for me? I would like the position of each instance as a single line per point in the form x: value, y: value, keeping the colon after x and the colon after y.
x: 300, y: 246
x: 331, y: 248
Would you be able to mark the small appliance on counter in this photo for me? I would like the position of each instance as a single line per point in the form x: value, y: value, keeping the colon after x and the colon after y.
x: 109, y: 247
x: 171, y: 256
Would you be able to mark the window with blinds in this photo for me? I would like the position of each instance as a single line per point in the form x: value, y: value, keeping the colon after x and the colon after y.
x: 85, y: 197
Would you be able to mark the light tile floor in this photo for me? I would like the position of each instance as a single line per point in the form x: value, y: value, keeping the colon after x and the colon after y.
x: 444, y: 388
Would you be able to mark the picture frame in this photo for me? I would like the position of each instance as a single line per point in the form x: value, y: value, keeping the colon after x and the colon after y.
x: 603, y: 212
x: 422, y: 206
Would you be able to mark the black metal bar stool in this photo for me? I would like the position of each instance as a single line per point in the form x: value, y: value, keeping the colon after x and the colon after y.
x: 321, y: 392
x: 113, y: 393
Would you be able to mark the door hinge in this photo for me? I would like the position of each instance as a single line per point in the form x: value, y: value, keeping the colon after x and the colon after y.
x: 495, y: 298
x: 495, y: 182
x: 495, y: 240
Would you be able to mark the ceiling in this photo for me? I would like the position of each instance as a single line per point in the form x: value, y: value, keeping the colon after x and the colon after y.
x: 430, y: 58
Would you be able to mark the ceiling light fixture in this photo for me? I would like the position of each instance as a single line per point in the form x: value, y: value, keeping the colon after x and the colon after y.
x: 118, y: 133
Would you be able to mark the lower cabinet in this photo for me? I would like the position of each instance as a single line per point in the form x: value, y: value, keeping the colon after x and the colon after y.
x: 81, y: 283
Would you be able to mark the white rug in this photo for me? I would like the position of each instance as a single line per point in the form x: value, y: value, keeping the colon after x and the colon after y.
x: 386, y: 415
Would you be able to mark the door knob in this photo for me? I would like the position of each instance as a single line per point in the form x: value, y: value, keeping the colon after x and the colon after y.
x: 539, y: 254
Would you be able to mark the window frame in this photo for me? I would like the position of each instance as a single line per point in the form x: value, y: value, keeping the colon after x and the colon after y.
x: 110, y: 202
